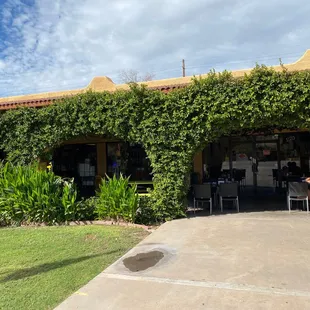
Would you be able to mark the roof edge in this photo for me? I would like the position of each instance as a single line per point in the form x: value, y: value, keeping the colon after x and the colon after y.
x: 104, y: 83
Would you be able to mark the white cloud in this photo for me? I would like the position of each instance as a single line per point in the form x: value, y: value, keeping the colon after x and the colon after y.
x: 62, y: 44
x: 2, y: 65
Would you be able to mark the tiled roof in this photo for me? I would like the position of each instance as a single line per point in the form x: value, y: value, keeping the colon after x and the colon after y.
x: 28, y: 103
x: 7, y: 105
x: 167, y: 88
x: 105, y: 84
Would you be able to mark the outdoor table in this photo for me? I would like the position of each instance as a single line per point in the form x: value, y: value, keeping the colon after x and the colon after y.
x: 293, y: 178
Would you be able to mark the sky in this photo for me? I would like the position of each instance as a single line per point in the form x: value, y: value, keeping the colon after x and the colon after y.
x: 51, y: 45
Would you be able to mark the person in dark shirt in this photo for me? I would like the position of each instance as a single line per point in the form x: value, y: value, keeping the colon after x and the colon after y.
x: 289, y: 167
x: 295, y: 170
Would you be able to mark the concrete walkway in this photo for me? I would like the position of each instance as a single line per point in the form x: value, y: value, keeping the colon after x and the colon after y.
x: 236, y: 261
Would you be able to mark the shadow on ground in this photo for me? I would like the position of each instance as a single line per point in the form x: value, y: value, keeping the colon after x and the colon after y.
x: 30, y: 272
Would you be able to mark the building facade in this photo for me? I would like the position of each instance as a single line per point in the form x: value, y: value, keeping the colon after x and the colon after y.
x: 88, y: 159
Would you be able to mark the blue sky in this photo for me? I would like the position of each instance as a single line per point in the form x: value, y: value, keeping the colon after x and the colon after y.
x: 62, y: 44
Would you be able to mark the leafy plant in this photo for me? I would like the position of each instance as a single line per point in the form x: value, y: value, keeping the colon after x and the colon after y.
x: 28, y: 194
x: 146, y: 213
x: 87, y: 208
x: 117, y: 199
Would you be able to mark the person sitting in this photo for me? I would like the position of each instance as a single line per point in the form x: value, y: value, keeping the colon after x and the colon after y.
x: 285, y: 171
x: 289, y: 167
x: 295, y: 170
x: 282, y: 174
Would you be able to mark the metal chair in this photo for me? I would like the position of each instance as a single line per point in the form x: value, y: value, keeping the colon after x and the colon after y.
x: 239, y: 176
x: 202, y: 193
x: 297, y: 191
x: 229, y: 192
x: 243, y: 174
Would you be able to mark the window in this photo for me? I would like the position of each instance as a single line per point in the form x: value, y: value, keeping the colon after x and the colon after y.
x: 128, y: 159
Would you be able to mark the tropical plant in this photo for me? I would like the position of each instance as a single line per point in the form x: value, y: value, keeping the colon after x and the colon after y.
x: 28, y: 194
x: 117, y: 199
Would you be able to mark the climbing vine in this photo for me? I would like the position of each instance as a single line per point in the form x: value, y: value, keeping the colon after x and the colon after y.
x: 171, y: 127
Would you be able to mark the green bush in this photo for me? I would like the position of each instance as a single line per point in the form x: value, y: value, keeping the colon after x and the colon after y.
x: 117, y: 199
x: 86, y: 210
x: 28, y: 194
x: 146, y: 214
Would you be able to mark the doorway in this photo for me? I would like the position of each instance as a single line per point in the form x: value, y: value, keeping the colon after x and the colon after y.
x: 266, y: 155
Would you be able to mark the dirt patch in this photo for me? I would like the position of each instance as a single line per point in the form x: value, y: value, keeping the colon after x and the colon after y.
x: 90, y: 237
x: 143, y: 261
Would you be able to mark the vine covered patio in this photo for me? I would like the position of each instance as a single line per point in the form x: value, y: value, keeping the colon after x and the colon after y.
x: 175, y: 122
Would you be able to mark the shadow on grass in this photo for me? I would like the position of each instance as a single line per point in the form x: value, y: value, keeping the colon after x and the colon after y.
x: 30, y: 272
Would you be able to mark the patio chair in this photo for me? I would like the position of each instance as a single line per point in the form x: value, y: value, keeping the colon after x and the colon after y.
x: 275, y: 178
x: 229, y: 192
x: 297, y: 191
x: 226, y: 174
x: 202, y: 193
x: 243, y: 175
x: 239, y: 176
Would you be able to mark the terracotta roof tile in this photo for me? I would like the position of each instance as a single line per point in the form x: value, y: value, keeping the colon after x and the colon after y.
x: 47, y: 101
x: 6, y: 105
x: 167, y: 88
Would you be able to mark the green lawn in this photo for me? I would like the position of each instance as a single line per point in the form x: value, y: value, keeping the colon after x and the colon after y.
x: 40, y: 267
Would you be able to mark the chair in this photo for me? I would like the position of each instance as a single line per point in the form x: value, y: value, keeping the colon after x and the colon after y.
x: 226, y: 174
x: 229, y: 192
x: 239, y: 176
x: 275, y: 177
x: 202, y: 193
x: 243, y: 175
x: 297, y: 191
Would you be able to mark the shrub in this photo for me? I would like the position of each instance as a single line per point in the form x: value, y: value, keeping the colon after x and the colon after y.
x: 28, y: 194
x: 145, y: 214
x: 86, y: 210
x: 117, y: 199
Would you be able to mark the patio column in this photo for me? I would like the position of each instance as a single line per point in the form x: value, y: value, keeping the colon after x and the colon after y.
x: 101, y: 161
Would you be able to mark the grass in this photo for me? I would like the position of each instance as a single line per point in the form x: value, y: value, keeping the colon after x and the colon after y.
x: 40, y: 267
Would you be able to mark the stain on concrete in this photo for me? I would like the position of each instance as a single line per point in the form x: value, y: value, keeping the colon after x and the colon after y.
x: 143, y: 261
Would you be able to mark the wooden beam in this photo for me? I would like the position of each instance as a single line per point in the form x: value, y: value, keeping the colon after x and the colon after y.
x: 101, y: 162
x: 101, y: 159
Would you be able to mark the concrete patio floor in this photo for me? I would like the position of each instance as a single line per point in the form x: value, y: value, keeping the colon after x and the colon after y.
x: 236, y: 261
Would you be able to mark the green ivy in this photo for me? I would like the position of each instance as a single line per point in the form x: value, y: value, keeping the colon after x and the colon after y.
x: 171, y: 127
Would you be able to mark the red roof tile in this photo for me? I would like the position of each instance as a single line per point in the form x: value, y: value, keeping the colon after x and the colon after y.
x: 47, y: 101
